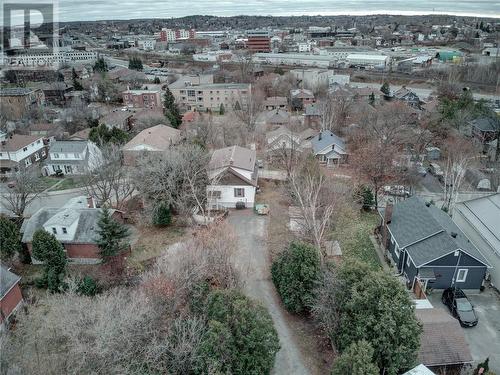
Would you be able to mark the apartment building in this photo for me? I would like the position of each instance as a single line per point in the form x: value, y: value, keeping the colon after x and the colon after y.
x: 16, y: 102
x: 170, y: 35
x: 18, y: 151
x: 55, y: 58
x: 142, y: 98
x: 258, y: 41
x: 209, y: 96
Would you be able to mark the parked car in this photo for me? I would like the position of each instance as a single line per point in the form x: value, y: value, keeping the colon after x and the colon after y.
x: 11, y: 184
x: 460, y: 306
x: 396, y: 190
x: 436, y: 170
x: 260, y: 163
x: 420, y: 169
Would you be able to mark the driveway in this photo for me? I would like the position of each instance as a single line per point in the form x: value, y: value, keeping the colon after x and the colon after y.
x: 252, y: 259
x: 483, y: 339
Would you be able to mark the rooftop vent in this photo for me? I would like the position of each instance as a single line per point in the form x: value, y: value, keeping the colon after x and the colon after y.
x: 428, y: 204
x: 453, y: 234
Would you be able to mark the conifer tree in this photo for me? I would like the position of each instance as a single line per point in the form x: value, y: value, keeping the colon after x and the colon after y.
x: 112, y: 235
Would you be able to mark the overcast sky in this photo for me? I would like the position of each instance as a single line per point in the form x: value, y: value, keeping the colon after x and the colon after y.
x: 75, y: 10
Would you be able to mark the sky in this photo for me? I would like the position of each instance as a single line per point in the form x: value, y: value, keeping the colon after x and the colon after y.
x: 91, y: 10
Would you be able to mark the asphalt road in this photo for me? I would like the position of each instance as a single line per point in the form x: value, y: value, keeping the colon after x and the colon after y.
x: 423, y: 93
x: 253, y: 261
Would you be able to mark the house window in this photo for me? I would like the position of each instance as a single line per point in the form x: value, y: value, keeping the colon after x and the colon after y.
x: 191, y: 93
x: 56, y: 156
x: 76, y: 156
x: 25, y: 148
x: 462, y: 275
x: 216, y: 194
x: 65, y: 230
x: 239, y: 192
x: 54, y: 230
x: 38, y: 141
x: 28, y: 162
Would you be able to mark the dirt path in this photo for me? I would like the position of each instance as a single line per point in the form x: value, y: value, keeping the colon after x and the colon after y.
x: 252, y: 259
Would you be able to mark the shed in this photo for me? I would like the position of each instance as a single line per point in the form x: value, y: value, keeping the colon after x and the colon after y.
x: 478, y: 179
x: 433, y: 153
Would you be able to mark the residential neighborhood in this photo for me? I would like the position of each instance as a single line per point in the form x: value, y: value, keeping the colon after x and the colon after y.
x: 251, y: 194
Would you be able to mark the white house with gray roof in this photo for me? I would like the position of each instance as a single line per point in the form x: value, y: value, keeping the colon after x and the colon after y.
x: 233, y: 175
x: 74, y: 157
x: 426, y: 244
x: 329, y: 148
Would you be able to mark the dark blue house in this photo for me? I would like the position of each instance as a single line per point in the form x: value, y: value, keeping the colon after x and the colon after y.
x: 426, y: 244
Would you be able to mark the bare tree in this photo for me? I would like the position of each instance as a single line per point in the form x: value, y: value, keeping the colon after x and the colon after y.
x: 178, y: 176
x: 247, y: 109
x: 26, y: 187
x: 316, y: 197
x: 245, y: 65
x: 459, y: 154
x: 111, y: 183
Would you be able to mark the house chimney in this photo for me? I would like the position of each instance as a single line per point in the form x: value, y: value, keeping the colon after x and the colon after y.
x: 320, y: 134
x: 90, y: 202
x: 387, y: 220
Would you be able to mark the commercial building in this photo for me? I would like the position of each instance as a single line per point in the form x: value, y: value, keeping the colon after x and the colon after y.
x: 258, y: 41
x: 367, y: 61
x: 296, y: 59
x: 16, y: 102
x: 142, y: 98
x: 54, y: 58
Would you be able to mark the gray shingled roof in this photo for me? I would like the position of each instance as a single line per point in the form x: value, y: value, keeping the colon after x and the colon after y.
x: 7, y: 280
x: 15, y: 91
x: 442, y: 341
x: 426, y: 232
x: 236, y: 156
x: 486, y: 124
x: 327, y: 139
x: 68, y: 146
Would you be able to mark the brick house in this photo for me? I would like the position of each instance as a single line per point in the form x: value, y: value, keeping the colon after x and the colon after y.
x: 10, y: 294
x: 74, y: 225
x: 299, y: 98
x: 16, y: 102
x: 20, y: 151
x: 142, y: 98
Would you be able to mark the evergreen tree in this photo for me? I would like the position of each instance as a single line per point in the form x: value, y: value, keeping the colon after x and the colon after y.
x: 162, y: 216
x: 10, y: 239
x: 135, y: 63
x: 156, y: 80
x: 100, y: 65
x: 386, y: 89
x: 112, y: 235
x: 371, y: 99
x: 171, y: 110
x: 47, y: 249
x: 357, y: 359
x: 221, y: 109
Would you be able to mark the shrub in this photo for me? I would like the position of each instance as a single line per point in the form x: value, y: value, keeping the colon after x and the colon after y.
x: 356, y: 360
x: 240, y: 336
x: 295, y: 273
x: 87, y: 287
x: 47, y: 249
x: 162, y: 215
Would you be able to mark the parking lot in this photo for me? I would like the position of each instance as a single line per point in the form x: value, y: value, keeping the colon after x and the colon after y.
x: 483, y: 339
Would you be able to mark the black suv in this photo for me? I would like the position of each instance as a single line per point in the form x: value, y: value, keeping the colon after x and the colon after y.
x: 460, y: 307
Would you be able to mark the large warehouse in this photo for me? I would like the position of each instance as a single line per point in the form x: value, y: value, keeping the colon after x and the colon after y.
x: 367, y: 60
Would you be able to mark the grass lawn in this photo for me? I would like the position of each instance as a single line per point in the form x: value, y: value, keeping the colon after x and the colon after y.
x: 47, y: 182
x: 150, y: 242
x: 353, y: 233
x: 69, y: 183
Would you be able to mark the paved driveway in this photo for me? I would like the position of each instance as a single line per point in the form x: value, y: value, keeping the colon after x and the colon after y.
x: 252, y: 260
x: 483, y: 339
